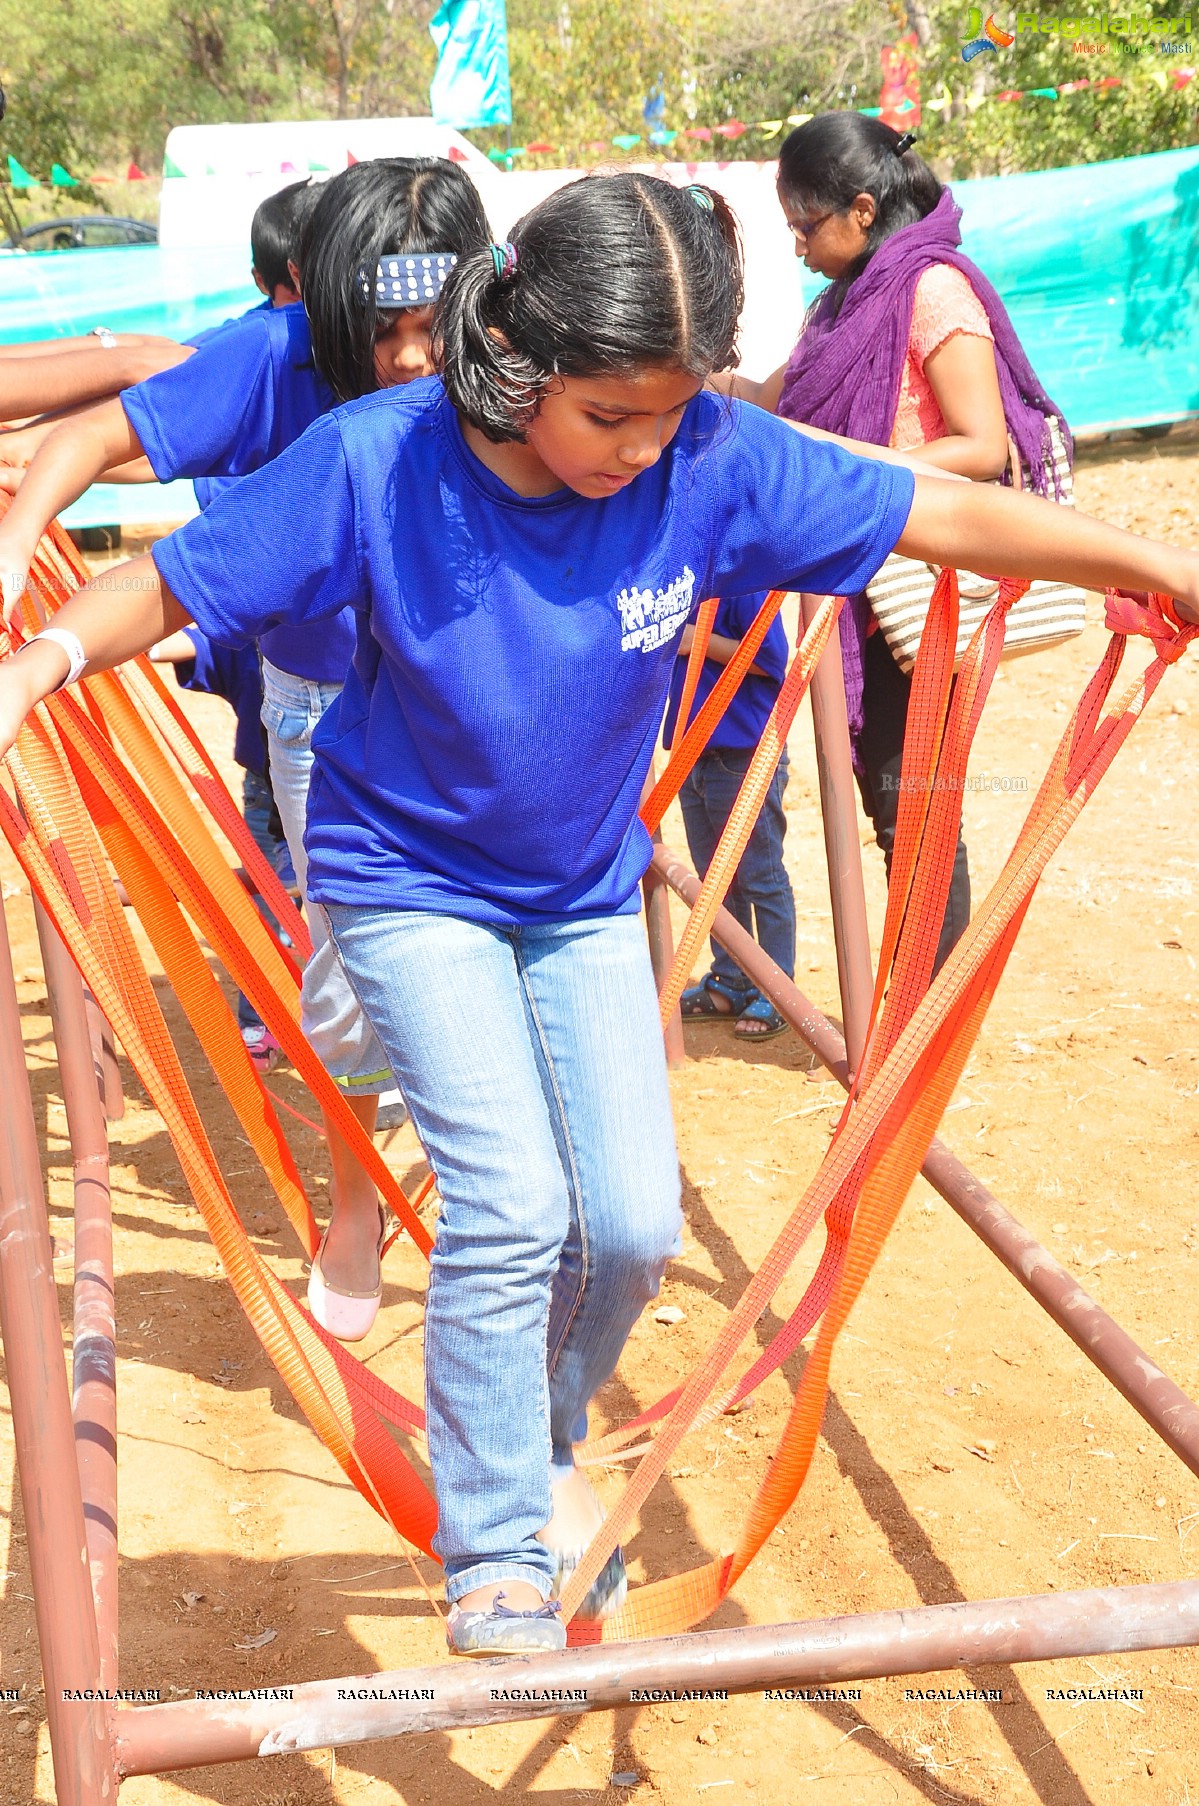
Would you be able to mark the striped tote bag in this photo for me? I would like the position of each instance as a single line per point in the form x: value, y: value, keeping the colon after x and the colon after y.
x: 1049, y: 613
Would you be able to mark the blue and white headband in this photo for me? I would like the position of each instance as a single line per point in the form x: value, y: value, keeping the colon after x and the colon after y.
x: 408, y: 281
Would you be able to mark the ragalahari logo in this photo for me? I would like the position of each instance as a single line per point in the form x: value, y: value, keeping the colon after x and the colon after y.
x: 986, y: 37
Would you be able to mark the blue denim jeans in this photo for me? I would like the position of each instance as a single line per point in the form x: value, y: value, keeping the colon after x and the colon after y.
x: 760, y: 897
x: 532, y: 1062
x: 330, y: 1014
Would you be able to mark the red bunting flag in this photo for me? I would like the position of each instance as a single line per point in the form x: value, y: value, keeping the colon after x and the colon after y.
x: 134, y: 174
x: 732, y: 128
x: 539, y: 148
x: 703, y: 132
x: 899, y: 100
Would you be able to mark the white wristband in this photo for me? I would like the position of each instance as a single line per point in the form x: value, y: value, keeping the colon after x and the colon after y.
x: 71, y: 645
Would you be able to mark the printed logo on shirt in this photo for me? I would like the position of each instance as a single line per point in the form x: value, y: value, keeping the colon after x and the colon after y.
x: 649, y: 618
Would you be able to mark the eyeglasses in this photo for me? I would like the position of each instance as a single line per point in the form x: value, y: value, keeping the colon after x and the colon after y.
x: 804, y: 228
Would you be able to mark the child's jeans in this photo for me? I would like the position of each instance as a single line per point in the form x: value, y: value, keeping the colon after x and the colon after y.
x: 330, y: 1014
x: 760, y: 889
x: 532, y: 1062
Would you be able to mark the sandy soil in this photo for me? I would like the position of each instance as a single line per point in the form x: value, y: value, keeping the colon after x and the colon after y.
x: 969, y: 1450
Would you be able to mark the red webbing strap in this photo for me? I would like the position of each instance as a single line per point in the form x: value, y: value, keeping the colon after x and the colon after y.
x: 224, y: 913
x: 695, y: 662
x: 904, y: 1102
x: 748, y: 806
x: 688, y: 749
x: 365, y: 1450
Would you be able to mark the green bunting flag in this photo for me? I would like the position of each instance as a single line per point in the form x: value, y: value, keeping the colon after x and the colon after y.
x: 60, y: 178
x: 20, y: 178
x: 170, y: 167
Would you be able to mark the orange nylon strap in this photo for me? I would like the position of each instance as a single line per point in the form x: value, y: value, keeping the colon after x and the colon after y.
x: 696, y: 738
x: 695, y: 662
x: 899, y: 1110
x: 748, y: 806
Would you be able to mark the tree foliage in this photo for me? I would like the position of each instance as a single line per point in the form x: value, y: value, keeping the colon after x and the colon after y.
x: 95, y: 82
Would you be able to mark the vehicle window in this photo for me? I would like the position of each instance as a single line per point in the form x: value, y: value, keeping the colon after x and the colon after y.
x: 105, y: 232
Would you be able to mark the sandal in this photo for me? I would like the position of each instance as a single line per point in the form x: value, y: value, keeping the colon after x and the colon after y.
x: 501, y: 1632
x: 347, y: 1315
x: 761, y: 1018
x: 700, y: 999
x: 607, y: 1592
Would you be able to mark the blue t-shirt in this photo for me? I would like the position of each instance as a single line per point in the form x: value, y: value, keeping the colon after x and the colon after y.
x: 202, y: 338
x: 240, y: 400
x: 486, y: 756
x: 742, y: 722
x: 231, y: 672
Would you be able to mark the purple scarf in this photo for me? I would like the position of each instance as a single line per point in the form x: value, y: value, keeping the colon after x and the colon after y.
x: 845, y: 373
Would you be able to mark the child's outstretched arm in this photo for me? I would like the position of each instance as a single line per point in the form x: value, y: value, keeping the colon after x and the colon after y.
x: 45, y: 383
x: 70, y: 459
x: 981, y: 527
x: 118, y: 614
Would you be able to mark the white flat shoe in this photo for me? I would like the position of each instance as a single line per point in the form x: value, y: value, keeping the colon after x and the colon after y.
x: 350, y: 1316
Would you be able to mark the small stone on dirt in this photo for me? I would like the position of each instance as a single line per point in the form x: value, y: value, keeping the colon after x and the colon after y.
x: 708, y: 1735
x: 670, y: 1313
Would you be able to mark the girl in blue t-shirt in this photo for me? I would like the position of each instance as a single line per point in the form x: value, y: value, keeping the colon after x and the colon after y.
x: 373, y: 252
x: 473, y: 835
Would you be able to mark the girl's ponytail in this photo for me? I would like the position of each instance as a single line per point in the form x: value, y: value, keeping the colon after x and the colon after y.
x: 494, y: 386
x: 610, y: 274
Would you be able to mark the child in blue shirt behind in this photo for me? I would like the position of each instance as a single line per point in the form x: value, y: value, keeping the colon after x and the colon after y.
x: 522, y: 540
x: 760, y: 895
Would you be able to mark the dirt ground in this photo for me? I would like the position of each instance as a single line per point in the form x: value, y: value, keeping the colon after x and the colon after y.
x: 969, y: 1450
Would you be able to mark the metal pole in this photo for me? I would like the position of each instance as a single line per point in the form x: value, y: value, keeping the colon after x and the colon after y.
x: 821, y: 1652
x: 44, y: 1435
x: 94, y: 1342
x: 843, y: 849
x: 656, y: 898
x: 104, y: 1059
x: 1163, y: 1405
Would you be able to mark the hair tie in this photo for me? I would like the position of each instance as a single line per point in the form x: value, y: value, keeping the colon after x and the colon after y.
x: 905, y: 143
x: 504, y: 258
x: 701, y: 197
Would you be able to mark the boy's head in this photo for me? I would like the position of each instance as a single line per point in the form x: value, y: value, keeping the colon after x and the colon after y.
x: 275, y: 239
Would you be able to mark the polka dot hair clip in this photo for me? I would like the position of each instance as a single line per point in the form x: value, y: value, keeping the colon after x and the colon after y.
x: 408, y: 281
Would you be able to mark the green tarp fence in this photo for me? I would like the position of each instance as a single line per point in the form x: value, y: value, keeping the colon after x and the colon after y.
x: 1098, y: 265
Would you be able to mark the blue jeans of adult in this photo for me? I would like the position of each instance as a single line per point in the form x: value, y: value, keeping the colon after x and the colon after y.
x: 760, y: 897
x: 331, y: 1016
x: 532, y: 1062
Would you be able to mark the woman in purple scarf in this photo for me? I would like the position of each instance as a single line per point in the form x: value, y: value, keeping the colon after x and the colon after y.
x: 908, y: 346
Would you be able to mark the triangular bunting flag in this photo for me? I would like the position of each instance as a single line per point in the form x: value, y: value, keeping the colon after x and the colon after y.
x: 458, y: 156
x: 170, y: 167
x: 134, y: 174
x: 319, y: 169
x: 350, y: 159
x: 20, y: 178
x: 61, y: 178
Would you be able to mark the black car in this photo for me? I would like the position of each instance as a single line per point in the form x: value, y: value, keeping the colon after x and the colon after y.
x: 82, y: 231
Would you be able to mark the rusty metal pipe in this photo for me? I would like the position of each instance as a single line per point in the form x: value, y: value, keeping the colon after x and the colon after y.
x: 44, y: 1436
x: 94, y: 1390
x: 819, y: 1653
x: 843, y: 849
x: 104, y: 1058
x: 1162, y: 1403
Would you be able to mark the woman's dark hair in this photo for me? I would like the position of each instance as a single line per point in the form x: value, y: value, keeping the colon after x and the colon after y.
x: 275, y: 231
x: 390, y: 204
x: 611, y: 274
x: 824, y: 164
